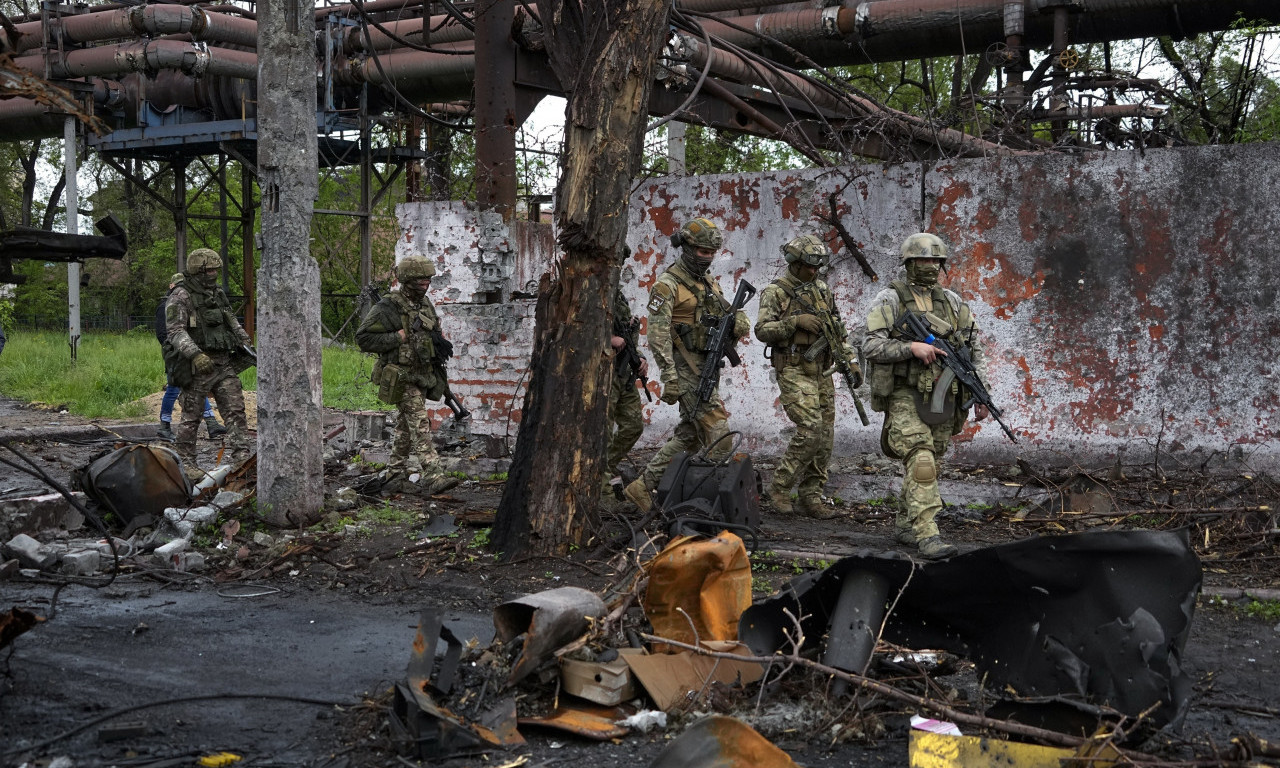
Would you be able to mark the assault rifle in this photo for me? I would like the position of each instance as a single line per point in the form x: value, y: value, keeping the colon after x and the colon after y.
x: 913, y: 327
x: 443, y: 350
x: 629, y: 356
x: 720, y: 341
x: 832, y: 339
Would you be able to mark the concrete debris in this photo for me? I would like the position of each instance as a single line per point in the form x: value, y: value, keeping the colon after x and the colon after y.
x: 37, y: 513
x: 30, y: 552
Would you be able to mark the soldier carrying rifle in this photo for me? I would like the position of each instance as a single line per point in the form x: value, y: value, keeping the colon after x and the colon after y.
x: 403, y: 329
x: 688, y: 314
x: 807, y: 343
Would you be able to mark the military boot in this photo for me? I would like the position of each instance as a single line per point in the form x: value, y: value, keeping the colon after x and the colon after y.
x: 812, y: 506
x: 213, y: 427
x: 903, y: 534
x: 165, y: 432
x: 438, y: 483
x: 780, y: 499
x: 934, y: 548
x: 639, y: 495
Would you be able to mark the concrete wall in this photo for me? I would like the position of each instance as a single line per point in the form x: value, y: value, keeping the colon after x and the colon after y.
x: 1126, y: 298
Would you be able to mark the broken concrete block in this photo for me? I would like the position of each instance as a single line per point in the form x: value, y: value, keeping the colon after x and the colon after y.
x: 189, y: 562
x: 81, y: 562
x: 226, y: 499
x: 166, y: 552
x: 263, y: 539
x: 37, y: 513
x: 204, y: 515
x: 30, y: 552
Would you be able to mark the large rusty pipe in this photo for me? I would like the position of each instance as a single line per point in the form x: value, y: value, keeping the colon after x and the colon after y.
x: 413, y: 70
x: 148, y: 57
x: 441, y: 30
x: 148, y: 21
x: 791, y: 27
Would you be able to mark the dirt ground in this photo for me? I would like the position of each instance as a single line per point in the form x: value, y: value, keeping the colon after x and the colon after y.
x: 284, y: 651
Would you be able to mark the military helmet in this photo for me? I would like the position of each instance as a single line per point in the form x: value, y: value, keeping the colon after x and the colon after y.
x: 176, y: 277
x: 698, y: 233
x: 807, y: 249
x: 923, y: 245
x: 203, y: 258
x: 414, y: 268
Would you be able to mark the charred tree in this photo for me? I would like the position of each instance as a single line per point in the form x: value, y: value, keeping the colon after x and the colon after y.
x: 290, y: 416
x: 603, y: 54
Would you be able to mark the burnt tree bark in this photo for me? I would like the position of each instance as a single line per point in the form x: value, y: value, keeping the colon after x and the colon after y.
x: 290, y: 413
x: 603, y: 53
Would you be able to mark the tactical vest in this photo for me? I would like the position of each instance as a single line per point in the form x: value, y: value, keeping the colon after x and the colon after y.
x: 210, y: 322
x: 801, y: 339
x: 884, y: 378
x: 694, y: 300
x: 416, y: 356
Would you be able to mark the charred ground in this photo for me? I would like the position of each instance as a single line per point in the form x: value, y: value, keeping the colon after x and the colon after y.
x: 323, y: 618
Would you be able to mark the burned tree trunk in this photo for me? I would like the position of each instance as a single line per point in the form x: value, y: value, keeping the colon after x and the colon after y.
x: 290, y: 416
x: 603, y: 53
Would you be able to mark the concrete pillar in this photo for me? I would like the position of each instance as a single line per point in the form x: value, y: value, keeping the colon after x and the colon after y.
x: 290, y: 415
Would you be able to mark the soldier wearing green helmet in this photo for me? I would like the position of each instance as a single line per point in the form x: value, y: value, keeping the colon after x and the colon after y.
x: 793, y: 312
x: 203, y: 335
x: 403, y: 330
x: 903, y: 374
x: 681, y: 297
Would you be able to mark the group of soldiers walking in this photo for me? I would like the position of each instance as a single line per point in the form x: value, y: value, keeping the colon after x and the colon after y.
x: 806, y: 341
x: 798, y: 320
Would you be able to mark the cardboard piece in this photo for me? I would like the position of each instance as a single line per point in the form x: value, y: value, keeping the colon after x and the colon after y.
x: 607, y: 683
x: 667, y: 677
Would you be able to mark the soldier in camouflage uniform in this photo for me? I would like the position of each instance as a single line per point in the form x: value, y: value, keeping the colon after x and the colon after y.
x: 682, y: 296
x: 904, y: 375
x: 626, y: 412
x: 403, y: 329
x: 793, y: 311
x: 203, y: 341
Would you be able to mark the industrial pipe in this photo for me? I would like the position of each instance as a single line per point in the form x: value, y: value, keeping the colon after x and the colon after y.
x: 148, y: 57
x: 142, y: 21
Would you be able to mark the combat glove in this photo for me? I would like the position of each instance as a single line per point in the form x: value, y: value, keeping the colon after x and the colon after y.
x: 202, y: 364
x: 809, y: 323
x: 671, y: 393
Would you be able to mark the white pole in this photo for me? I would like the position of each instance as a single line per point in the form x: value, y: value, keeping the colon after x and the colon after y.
x: 73, y: 228
x: 675, y: 148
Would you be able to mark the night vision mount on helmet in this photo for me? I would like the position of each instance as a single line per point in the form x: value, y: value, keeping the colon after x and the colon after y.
x: 807, y: 249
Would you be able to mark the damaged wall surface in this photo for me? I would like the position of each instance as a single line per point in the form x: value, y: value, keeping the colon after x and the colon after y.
x: 1125, y: 297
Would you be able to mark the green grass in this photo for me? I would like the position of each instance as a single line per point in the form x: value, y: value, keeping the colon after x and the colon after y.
x: 114, y: 370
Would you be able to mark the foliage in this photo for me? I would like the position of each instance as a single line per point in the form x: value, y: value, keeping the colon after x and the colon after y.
x: 113, y: 371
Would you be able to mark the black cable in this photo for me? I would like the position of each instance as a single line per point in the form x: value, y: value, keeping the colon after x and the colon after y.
x: 702, y: 78
x: 162, y: 702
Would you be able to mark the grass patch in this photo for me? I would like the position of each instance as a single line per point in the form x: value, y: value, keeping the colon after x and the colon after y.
x: 388, y: 515
x: 114, y: 370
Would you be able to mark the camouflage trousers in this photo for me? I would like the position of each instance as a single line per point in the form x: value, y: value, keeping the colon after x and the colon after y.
x: 626, y: 418
x: 921, y: 447
x: 809, y: 401
x: 692, y: 433
x: 223, y: 386
x: 412, y: 449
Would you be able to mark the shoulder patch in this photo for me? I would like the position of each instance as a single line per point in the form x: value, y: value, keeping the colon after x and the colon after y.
x: 659, y: 296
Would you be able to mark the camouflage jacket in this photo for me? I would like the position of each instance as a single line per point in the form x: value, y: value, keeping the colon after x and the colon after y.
x: 782, y: 301
x: 416, y: 354
x: 882, y: 346
x: 677, y: 335
x: 201, y: 321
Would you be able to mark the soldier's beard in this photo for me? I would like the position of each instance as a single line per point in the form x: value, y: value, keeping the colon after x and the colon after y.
x: 694, y: 264
x: 412, y: 293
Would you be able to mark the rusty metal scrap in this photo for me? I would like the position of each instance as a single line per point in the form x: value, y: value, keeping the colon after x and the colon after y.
x: 548, y: 621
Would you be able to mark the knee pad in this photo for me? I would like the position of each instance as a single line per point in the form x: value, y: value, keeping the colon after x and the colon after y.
x: 923, y: 467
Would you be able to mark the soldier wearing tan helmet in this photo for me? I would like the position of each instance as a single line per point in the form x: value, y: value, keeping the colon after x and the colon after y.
x: 403, y: 330
x: 172, y: 391
x: 902, y: 374
x: 203, y: 336
x: 794, y: 310
x: 682, y: 296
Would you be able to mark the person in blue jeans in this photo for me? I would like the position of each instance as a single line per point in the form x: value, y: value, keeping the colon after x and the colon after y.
x: 171, y: 392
